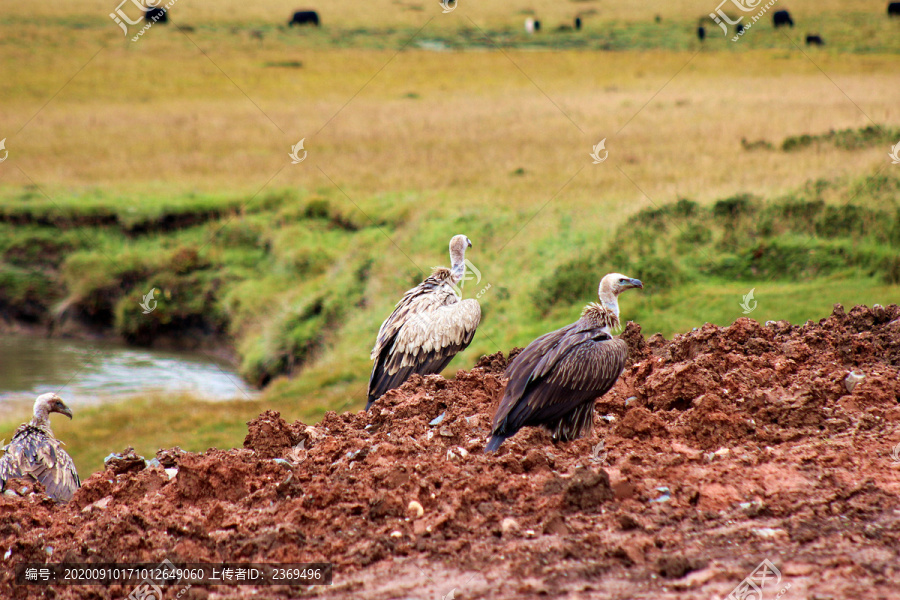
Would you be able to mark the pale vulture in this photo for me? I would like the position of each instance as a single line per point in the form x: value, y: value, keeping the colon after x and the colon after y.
x: 428, y: 327
x: 553, y: 382
x: 34, y: 453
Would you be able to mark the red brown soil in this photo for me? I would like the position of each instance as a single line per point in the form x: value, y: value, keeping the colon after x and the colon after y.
x: 765, y: 453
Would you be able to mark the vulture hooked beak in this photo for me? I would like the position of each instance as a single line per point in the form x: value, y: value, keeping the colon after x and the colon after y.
x: 469, y: 242
x: 64, y: 410
x: 634, y: 283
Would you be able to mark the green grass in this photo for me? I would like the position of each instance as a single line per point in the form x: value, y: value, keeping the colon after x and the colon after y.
x: 719, y: 302
x: 846, y: 139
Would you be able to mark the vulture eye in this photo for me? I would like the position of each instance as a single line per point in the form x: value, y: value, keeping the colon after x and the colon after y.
x: 622, y: 281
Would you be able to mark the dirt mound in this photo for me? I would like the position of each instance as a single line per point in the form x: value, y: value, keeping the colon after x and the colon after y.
x: 715, y: 451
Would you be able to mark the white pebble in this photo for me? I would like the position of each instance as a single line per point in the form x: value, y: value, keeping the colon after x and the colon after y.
x: 415, y: 506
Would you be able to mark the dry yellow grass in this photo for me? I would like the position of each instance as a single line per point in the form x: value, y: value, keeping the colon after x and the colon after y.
x: 472, y: 120
x: 399, y: 13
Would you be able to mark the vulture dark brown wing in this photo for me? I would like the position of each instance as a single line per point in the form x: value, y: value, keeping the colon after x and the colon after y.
x: 520, y: 372
x: 554, y: 386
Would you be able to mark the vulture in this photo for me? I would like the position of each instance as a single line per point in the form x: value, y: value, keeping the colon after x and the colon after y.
x: 553, y: 382
x: 428, y: 327
x: 35, y: 453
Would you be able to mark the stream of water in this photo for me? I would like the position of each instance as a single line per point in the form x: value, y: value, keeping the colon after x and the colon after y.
x: 88, y: 372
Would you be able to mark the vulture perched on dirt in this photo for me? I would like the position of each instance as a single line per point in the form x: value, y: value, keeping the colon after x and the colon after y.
x: 553, y: 382
x: 35, y: 453
x: 428, y: 327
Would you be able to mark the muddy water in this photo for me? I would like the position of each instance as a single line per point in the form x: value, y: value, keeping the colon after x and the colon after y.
x: 88, y: 372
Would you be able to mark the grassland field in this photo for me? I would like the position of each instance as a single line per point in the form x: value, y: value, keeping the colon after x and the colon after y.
x: 164, y: 163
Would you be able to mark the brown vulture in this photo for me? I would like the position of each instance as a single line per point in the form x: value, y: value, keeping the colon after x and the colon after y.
x: 428, y: 327
x: 34, y: 452
x: 553, y: 382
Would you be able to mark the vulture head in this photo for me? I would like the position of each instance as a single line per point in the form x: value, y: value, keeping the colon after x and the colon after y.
x: 458, y: 245
x: 49, y: 403
x: 611, y: 286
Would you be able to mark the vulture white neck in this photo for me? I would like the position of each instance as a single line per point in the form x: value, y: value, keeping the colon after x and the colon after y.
x: 457, y: 265
x: 611, y: 303
x: 41, y: 416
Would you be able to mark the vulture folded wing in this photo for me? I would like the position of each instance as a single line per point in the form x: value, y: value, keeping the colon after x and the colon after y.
x: 563, y: 377
x: 41, y: 457
x: 427, y: 335
x: 521, y: 372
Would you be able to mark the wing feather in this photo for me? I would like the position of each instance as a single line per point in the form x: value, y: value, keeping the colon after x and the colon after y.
x: 35, y: 454
x: 429, y: 326
x: 555, y: 380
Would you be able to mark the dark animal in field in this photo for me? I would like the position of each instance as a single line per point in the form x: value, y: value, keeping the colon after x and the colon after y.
x: 428, y: 327
x: 701, y: 33
x: 537, y: 25
x: 577, y: 23
x: 157, y: 14
x: 894, y: 9
x: 814, y: 40
x: 782, y: 17
x: 739, y: 28
x: 34, y: 453
x: 554, y: 381
x: 305, y: 17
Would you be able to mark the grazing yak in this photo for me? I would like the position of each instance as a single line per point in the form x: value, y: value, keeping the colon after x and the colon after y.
x: 701, y: 33
x: 814, y: 40
x: 532, y: 25
x: 894, y: 9
x: 156, y: 14
x: 577, y: 23
x: 782, y: 17
x: 305, y: 17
